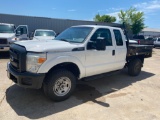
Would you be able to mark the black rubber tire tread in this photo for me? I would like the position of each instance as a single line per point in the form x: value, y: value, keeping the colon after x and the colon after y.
x: 50, y: 81
x: 131, y: 67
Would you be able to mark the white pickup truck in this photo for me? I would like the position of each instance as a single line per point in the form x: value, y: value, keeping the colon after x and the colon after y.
x: 9, y: 34
x: 43, y: 34
x: 156, y: 42
x: 79, y: 52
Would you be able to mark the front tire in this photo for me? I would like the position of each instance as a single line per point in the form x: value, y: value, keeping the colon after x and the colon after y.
x: 134, y: 67
x: 59, y: 84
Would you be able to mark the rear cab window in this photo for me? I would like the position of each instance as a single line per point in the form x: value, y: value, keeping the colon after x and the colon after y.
x: 118, y: 37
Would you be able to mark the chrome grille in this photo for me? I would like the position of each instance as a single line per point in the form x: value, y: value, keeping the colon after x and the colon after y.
x: 14, y: 59
x: 18, y: 57
x: 3, y: 41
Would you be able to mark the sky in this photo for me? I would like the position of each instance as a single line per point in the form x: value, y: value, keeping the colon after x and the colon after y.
x: 82, y: 9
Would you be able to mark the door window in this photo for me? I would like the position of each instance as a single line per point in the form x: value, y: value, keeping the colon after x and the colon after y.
x: 158, y: 39
x: 22, y: 30
x: 118, y: 37
x: 103, y: 33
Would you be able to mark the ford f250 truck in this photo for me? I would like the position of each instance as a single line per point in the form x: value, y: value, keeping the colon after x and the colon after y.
x: 79, y: 52
x: 9, y: 34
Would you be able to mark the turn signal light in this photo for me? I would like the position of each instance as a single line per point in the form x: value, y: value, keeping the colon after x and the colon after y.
x: 41, y: 60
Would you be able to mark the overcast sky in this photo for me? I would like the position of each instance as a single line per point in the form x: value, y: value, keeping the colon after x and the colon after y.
x: 82, y: 9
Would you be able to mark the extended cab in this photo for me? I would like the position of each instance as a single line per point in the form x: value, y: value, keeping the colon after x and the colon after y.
x: 79, y: 52
x: 9, y: 34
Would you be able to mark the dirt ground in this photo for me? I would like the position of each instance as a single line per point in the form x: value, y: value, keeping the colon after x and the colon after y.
x: 117, y: 97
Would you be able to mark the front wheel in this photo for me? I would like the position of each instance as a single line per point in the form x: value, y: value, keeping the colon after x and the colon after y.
x: 59, y: 85
x: 134, y: 67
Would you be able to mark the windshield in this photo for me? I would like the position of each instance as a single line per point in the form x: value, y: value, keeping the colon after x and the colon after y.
x: 45, y: 33
x: 74, y: 34
x: 6, y: 29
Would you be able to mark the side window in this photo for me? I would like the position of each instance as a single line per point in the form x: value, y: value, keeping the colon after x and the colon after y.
x: 158, y: 39
x: 118, y: 37
x: 103, y: 33
x: 22, y: 30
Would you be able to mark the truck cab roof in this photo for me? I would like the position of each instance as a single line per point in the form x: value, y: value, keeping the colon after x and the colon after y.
x: 97, y: 26
x: 6, y: 24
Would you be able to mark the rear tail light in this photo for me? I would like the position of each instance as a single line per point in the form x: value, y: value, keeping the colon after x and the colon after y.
x: 139, y: 42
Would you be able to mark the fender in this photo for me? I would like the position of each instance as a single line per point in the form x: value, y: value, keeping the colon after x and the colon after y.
x: 50, y: 63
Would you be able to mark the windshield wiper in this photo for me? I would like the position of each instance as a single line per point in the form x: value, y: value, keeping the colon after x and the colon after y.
x: 64, y: 40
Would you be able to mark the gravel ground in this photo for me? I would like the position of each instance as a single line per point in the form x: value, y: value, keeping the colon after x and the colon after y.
x: 117, y: 97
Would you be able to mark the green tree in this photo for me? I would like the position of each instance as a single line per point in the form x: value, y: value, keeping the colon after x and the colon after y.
x: 104, y: 18
x: 133, y: 19
x: 137, y: 22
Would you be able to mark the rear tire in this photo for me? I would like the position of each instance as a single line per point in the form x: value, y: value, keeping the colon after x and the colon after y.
x: 134, y: 67
x: 59, y: 85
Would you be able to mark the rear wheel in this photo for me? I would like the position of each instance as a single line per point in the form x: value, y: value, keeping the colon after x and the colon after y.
x: 134, y: 67
x: 59, y: 85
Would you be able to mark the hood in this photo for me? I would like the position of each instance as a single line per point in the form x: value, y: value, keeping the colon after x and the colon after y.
x: 47, y: 45
x: 43, y: 38
x: 7, y: 35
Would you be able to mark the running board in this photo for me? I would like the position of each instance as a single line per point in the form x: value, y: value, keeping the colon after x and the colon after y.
x: 100, y: 76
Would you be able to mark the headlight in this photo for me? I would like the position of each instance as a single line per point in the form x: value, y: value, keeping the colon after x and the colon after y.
x: 15, y: 38
x: 34, y: 61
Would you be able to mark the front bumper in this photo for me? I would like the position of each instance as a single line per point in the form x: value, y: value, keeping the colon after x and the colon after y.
x: 25, y: 79
x: 156, y: 45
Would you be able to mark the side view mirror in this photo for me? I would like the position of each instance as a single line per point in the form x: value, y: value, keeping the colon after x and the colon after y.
x: 100, y: 44
x: 57, y: 34
x: 31, y: 35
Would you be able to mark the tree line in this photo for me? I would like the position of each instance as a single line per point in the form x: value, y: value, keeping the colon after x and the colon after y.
x: 133, y: 19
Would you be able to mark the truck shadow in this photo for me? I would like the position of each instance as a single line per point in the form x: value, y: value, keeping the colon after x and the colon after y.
x: 4, y: 55
x: 33, y: 104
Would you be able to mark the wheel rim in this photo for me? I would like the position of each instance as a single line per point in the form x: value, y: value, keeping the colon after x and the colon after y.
x: 62, y: 86
x: 137, y: 67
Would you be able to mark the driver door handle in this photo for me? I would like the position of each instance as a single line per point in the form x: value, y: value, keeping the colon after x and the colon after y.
x: 113, y: 52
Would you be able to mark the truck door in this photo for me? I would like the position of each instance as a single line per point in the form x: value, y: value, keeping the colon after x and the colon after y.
x: 120, y: 49
x: 98, y: 62
x: 22, y: 32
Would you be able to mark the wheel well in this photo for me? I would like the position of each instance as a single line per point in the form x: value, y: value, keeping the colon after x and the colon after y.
x: 141, y: 57
x: 129, y: 59
x: 69, y: 66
